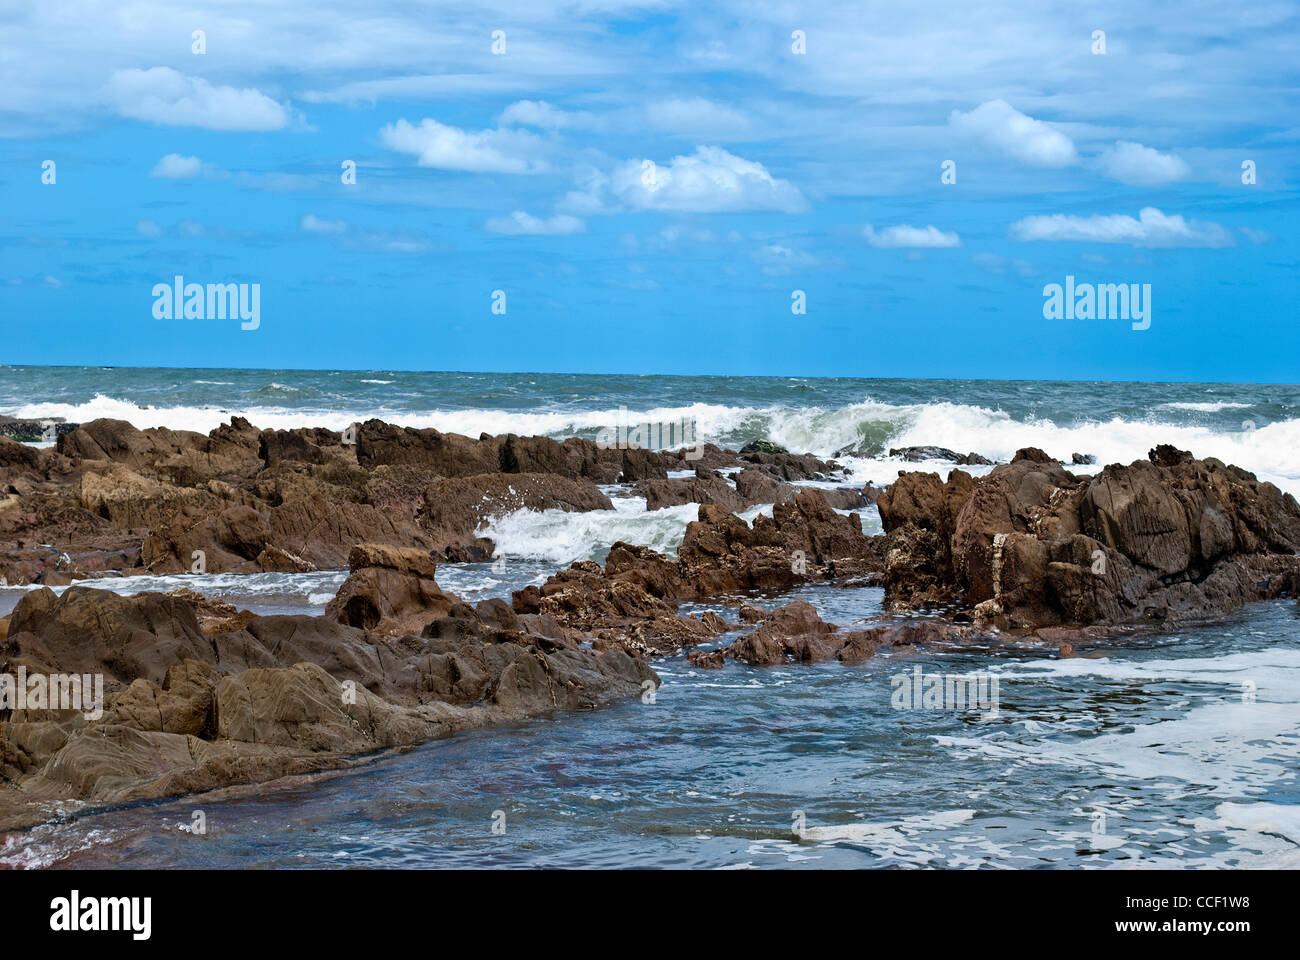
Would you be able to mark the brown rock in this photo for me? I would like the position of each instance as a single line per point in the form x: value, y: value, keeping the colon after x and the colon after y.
x: 759, y: 486
x: 389, y: 589
x: 456, y: 508
x: 283, y: 695
x: 706, y: 659
x: 1032, y: 545
x: 708, y: 488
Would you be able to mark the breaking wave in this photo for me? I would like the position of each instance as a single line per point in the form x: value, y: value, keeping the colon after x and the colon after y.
x: 1272, y: 450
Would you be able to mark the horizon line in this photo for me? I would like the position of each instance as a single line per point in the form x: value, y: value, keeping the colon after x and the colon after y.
x: 715, y: 376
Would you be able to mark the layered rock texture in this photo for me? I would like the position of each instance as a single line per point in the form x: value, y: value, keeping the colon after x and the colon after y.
x: 192, y: 704
x: 1031, y: 545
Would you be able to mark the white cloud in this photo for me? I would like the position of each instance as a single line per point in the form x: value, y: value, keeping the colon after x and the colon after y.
x: 1135, y: 164
x: 905, y: 236
x: 314, y: 224
x: 584, y: 202
x: 148, y: 228
x: 539, y: 113
x: 592, y: 195
x: 175, y: 167
x: 161, y: 95
x: 778, y: 260
x: 675, y: 233
x: 520, y: 222
x: 696, y: 116
x: 709, y: 181
x: 450, y: 148
x: 1003, y: 127
x: 1151, y: 229
x: 353, y: 237
x: 416, y: 86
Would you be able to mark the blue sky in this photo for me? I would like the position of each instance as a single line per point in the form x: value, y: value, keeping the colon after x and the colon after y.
x: 650, y: 182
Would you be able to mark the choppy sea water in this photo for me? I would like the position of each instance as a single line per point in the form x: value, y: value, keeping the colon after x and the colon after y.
x: 1256, y: 426
x: 1175, y: 749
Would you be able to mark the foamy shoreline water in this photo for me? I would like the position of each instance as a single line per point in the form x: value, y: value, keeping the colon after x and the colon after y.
x: 1256, y: 427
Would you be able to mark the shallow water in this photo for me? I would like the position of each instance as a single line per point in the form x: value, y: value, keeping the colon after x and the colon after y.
x: 1186, y: 744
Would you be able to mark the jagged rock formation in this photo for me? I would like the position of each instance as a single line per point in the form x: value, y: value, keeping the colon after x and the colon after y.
x: 1032, y: 545
x: 261, y: 697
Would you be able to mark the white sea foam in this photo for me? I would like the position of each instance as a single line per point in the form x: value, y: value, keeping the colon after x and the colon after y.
x: 1227, y: 744
x: 1272, y: 450
x: 1276, y: 672
x: 919, y: 840
x: 893, y: 832
x: 1206, y: 407
x: 563, y: 538
x: 309, y: 589
x: 1278, y: 819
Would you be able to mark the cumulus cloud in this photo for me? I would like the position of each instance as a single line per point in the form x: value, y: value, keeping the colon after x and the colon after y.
x: 161, y: 95
x: 1152, y: 228
x: 175, y: 167
x: 449, y: 148
x: 148, y: 228
x: 314, y: 224
x: 999, y: 125
x: 709, y: 181
x: 1132, y: 163
x: 521, y: 222
x: 905, y: 236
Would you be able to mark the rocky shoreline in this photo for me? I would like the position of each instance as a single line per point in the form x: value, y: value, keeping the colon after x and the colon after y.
x: 200, y: 695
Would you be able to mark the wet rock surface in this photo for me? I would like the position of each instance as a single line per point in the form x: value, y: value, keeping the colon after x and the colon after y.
x: 186, y: 710
x: 31, y: 431
x: 918, y: 454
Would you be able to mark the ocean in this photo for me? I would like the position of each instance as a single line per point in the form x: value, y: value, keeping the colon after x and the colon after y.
x: 1176, y: 749
x: 1255, y: 426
